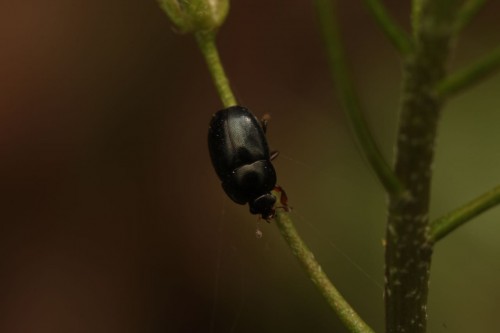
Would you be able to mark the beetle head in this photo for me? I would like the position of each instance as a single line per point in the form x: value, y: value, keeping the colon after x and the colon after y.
x: 263, y: 205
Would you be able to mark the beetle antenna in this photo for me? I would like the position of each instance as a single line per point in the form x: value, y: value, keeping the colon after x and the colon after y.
x: 274, y: 154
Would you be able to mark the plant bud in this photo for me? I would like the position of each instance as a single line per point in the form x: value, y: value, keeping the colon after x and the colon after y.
x: 196, y: 15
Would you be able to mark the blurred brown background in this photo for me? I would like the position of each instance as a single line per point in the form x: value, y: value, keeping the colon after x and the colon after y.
x: 112, y: 219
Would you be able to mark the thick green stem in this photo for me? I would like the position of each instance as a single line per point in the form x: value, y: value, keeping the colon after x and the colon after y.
x: 345, y: 312
x: 206, y: 43
x: 444, y: 225
x: 398, y: 37
x: 408, y: 249
x: 416, y: 9
x: 345, y: 91
x: 470, y: 75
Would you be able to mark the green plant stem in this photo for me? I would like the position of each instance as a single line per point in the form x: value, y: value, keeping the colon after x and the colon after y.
x: 470, y: 75
x: 329, y: 28
x: 416, y: 8
x: 444, y: 225
x: 345, y: 312
x: 408, y: 248
x: 467, y: 13
x: 348, y: 316
x: 398, y: 37
x: 206, y: 43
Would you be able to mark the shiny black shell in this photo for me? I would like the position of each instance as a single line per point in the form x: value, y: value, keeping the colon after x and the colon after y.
x: 240, y: 156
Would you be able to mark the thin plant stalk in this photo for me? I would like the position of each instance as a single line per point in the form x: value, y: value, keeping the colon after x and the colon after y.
x: 470, y: 75
x: 397, y: 36
x: 206, y: 43
x: 467, y: 13
x: 444, y: 225
x: 351, y: 320
x: 339, y: 305
x: 327, y: 16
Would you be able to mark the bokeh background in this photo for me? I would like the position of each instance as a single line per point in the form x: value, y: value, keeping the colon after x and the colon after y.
x: 112, y: 219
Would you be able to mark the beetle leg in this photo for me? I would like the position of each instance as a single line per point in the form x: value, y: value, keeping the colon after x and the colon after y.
x: 273, y: 155
x: 264, y: 121
x: 283, y: 198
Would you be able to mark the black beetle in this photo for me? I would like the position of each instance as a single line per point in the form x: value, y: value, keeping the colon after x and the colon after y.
x: 240, y: 156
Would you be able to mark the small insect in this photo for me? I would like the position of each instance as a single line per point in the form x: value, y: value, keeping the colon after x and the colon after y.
x: 240, y: 156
